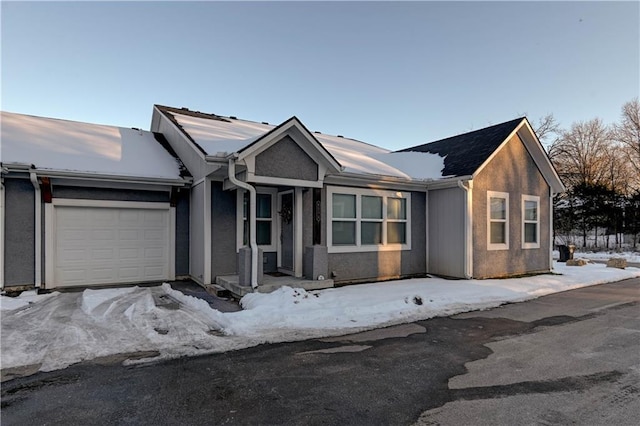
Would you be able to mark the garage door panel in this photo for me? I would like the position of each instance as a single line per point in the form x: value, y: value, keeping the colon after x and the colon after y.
x: 155, y: 253
x: 110, y: 245
x: 154, y: 271
x: 103, y: 254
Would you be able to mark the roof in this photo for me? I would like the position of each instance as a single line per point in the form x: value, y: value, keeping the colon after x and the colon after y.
x: 71, y: 146
x: 465, y: 153
x: 220, y: 136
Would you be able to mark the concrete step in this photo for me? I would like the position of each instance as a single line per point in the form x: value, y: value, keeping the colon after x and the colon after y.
x: 217, y: 290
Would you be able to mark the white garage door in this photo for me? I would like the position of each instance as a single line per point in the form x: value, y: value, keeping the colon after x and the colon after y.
x: 97, y: 245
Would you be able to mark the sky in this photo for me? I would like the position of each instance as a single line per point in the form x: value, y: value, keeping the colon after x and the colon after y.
x: 391, y: 74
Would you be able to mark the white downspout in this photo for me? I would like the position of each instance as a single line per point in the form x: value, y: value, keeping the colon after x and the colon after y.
x: 252, y: 220
x: 468, y: 229
x: 552, y: 242
x: 38, y: 226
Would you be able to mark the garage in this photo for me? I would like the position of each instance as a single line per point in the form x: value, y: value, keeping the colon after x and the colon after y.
x: 109, y: 242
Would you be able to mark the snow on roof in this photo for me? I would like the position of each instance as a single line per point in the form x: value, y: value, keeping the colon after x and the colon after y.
x: 224, y: 137
x: 62, y: 145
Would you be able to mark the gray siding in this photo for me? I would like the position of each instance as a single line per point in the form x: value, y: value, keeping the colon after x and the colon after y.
x: 446, y: 232
x: 19, y: 244
x: 87, y: 193
x: 223, y: 231
x: 371, y: 266
x: 182, y: 233
x: 513, y: 171
x: 196, y: 232
x: 285, y: 159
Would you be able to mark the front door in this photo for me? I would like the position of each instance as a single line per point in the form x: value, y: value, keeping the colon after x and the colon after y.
x: 286, y: 217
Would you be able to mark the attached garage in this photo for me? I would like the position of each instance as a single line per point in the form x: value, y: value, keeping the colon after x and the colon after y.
x: 94, y: 242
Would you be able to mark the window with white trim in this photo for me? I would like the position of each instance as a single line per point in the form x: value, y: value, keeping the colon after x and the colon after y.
x: 368, y: 220
x: 530, y: 221
x: 265, y: 223
x: 497, y: 220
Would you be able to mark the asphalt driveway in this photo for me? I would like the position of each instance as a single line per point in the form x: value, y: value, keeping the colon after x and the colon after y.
x: 564, y: 358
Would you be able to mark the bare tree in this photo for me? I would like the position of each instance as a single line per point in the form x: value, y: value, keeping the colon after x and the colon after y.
x: 546, y: 127
x: 627, y: 133
x: 582, y: 155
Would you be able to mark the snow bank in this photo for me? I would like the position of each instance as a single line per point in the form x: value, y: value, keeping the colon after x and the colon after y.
x: 57, y: 330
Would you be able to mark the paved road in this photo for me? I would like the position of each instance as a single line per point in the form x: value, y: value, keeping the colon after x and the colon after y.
x: 568, y: 358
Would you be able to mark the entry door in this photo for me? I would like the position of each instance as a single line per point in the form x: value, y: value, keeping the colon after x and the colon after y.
x: 286, y: 217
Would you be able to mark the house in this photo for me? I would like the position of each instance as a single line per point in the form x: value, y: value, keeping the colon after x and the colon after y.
x: 85, y: 204
x: 251, y: 205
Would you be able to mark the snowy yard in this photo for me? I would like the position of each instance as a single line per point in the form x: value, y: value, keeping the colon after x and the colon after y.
x: 53, y: 331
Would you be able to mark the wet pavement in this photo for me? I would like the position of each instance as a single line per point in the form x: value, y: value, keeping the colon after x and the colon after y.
x: 568, y: 358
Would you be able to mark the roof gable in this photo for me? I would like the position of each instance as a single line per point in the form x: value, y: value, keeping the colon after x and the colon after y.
x: 466, y: 153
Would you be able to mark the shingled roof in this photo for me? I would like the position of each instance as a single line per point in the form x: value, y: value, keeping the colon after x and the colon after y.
x: 465, y: 153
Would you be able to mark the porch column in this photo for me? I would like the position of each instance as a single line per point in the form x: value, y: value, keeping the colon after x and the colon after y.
x: 297, y: 244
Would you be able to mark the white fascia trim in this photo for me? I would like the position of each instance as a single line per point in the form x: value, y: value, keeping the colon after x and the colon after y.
x: 72, y: 202
x: 500, y: 246
x: 112, y: 178
x: 444, y: 183
x: 535, y: 198
x: 266, y: 180
x: 540, y: 157
x: 38, y: 228
x: 498, y: 149
x: 375, y: 182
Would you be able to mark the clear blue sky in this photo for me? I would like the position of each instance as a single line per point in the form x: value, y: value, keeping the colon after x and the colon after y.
x: 392, y: 74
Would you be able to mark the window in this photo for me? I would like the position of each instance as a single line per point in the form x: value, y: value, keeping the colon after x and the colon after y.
x: 530, y: 221
x: 368, y: 220
x: 265, y: 223
x: 497, y: 220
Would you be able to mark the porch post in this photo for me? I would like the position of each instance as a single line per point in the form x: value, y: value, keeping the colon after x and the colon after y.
x: 297, y: 244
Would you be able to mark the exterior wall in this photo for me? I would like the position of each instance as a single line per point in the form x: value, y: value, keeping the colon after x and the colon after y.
x: 285, y: 159
x: 196, y: 232
x: 378, y: 265
x: 512, y: 171
x: 19, y: 244
x: 87, y: 193
x: 223, y: 231
x: 446, y: 232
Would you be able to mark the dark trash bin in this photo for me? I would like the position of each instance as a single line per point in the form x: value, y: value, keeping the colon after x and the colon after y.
x: 566, y: 252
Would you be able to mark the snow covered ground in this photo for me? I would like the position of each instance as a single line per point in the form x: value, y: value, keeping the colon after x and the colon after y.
x: 53, y: 331
x: 631, y: 257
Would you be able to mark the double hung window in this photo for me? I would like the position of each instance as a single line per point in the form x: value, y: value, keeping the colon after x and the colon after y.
x: 497, y: 220
x: 265, y: 224
x: 530, y: 221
